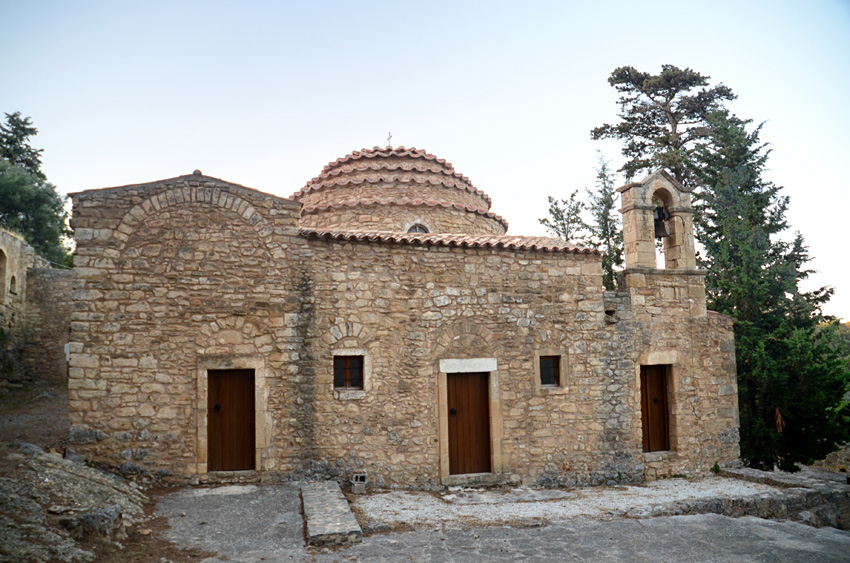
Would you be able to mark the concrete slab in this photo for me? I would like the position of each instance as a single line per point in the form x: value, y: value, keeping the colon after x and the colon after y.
x: 328, y: 517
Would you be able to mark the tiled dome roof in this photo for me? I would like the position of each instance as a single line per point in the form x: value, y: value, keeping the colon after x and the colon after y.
x: 402, y: 178
x: 378, y: 164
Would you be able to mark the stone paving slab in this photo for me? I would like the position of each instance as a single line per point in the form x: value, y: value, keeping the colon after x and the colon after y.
x: 328, y: 516
x: 246, y: 522
x: 258, y: 524
x: 704, y: 538
x: 812, y: 496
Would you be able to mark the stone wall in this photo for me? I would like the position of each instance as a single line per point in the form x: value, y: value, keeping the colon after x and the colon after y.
x: 167, y: 275
x: 700, y: 348
x: 48, y: 322
x: 410, y: 307
x: 16, y: 259
x: 391, y: 185
x: 398, y: 216
x: 178, y: 277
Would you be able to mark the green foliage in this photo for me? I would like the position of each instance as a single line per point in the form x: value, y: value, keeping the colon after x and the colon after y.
x: 791, y: 375
x: 715, y: 468
x: 29, y: 205
x: 606, y: 233
x: 842, y: 343
x: 790, y: 383
x: 564, y: 220
x: 14, y: 144
x: 603, y: 232
x: 662, y: 121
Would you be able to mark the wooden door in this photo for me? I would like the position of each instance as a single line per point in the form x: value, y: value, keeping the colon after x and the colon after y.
x: 653, y: 404
x: 469, y: 422
x: 230, y: 430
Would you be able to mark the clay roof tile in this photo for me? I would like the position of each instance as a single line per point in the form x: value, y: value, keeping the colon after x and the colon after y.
x: 537, y: 244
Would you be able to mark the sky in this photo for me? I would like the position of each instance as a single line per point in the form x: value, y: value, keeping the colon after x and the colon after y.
x: 264, y: 94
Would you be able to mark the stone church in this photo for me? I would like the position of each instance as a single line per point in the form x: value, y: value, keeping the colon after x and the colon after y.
x: 381, y: 322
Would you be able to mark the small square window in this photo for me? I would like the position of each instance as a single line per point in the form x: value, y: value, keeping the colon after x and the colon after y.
x: 550, y: 371
x: 348, y: 372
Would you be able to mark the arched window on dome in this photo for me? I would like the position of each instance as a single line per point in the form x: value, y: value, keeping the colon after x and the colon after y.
x: 418, y: 228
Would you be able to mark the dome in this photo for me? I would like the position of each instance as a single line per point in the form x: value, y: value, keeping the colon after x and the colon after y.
x: 397, y: 190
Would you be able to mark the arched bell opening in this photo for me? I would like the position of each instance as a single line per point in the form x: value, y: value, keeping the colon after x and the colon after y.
x: 673, y: 226
x: 657, y: 224
x: 662, y: 202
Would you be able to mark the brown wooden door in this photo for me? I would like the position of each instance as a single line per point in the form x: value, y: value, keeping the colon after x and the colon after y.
x: 653, y: 404
x: 230, y: 431
x: 469, y: 423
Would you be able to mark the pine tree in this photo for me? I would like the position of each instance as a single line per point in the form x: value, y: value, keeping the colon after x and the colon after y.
x: 662, y: 120
x: 29, y: 205
x: 15, y: 147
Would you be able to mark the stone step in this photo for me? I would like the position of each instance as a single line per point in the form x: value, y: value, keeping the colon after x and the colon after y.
x: 328, y: 516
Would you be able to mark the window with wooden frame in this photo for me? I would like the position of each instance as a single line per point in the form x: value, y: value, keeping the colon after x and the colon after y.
x: 550, y: 371
x: 348, y: 372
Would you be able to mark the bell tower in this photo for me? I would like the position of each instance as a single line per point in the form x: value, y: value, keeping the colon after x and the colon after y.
x: 658, y: 207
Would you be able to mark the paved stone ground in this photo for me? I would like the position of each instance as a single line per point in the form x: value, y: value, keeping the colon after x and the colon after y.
x: 250, y: 523
x: 242, y: 522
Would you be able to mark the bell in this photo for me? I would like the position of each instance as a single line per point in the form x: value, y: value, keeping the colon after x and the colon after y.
x: 659, y: 216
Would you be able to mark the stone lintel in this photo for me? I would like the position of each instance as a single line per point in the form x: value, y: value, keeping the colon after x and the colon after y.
x: 473, y: 365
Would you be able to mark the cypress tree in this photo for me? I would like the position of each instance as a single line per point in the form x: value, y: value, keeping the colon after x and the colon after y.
x: 791, y: 375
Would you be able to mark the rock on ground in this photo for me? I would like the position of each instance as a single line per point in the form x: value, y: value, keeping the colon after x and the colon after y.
x: 46, y: 502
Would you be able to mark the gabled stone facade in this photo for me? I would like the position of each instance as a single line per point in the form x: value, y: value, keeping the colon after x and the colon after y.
x: 182, y: 283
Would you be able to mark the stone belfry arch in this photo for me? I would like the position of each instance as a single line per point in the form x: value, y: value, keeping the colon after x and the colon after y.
x: 640, y: 201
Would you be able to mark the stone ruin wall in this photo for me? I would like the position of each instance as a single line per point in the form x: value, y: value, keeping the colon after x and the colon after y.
x: 17, y: 258
x: 36, y: 302
x: 48, y: 323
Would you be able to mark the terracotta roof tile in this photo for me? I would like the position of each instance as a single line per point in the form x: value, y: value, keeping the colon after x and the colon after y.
x: 378, y: 152
x: 539, y: 244
x: 329, y: 179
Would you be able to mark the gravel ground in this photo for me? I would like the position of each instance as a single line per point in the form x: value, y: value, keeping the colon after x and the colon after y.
x: 478, y: 506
